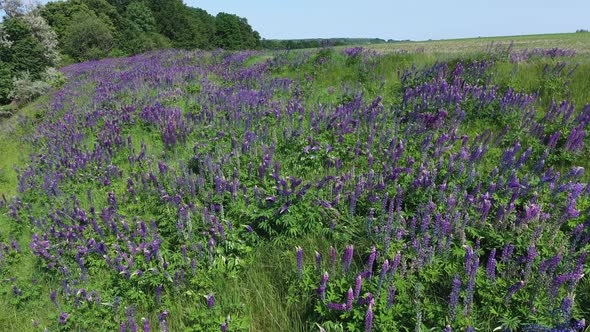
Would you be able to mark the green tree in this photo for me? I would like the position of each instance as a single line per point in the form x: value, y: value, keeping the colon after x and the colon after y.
x: 205, y: 24
x: 173, y: 21
x: 88, y: 37
x: 5, y: 82
x: 140, y: 15
x: 234, y: 33
x: 227, y: 32
x: 25, y: 52
x: 59, y: 15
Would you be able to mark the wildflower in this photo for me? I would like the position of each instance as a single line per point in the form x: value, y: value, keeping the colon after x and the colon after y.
x: 210, y: 300
x: 369, y: 317
x: 299, y: 254
x: 322, y: 289
x: 371, y: 260
x: 53, y: 298
x: 513, y: 289
x: 347, y: 258
x: 491, y: 266
x: 63, y: 317
x: 162, y: 319
x: 336, y: 306
x: 146, y: 325
x: 454, y: 297
x: 318, y: 261
x: 349, y: 299
x: 357, y: 286
x: 333, y: 257
x: 390, y: 295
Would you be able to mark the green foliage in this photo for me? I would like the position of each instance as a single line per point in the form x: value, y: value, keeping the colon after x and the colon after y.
x: 133, y: 27
x: 140, y: 17
x: 88, y: 37
x: 5, y: 82
x: 234, y: 33
x: 25, y: 55
x: 25, y: 89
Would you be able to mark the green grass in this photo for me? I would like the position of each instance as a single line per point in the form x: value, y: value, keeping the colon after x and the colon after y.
x: 13, y: 146
x: 578, y: 41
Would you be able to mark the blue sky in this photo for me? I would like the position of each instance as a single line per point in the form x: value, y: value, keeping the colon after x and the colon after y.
x: 394, y: 19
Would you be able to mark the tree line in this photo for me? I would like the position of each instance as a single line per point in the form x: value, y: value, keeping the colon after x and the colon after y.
x: 36, y: 37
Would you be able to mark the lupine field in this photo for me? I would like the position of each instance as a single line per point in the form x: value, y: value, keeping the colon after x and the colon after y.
x: 329, y: 190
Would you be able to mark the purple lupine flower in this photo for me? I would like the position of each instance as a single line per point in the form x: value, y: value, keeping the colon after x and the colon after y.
x: 532, y: 253
x: 318, y: 262
x: 53, y: 298
x: 395, y: 263
x: 299, y: 254
x: 159, y: 293
x: 357, y: 286
x: 513, y: 289
x: 491, y: 266
x: 223, y: 327
x: 567, y: 305
x: 116, y: 303
x: 16, y: 291
x: 347, y: 258
x: 371, y: 260
x: 129, y: 312
x: 333, y: 257
x: 532, y: 211
x: 323, y: 284
x: 454, y: 297
x: 563, y: 278
x: 507, y: 253
x: 549, y: 265
x: 349, y: 299
x: 146, y: 325
x: 578, y: 325
x: 469, y: 254
x: 63, y: 317
x: 369, y: 316
x: 580, y: 263
x: 162, y: 319
x: 391, y: 295
x: 210, y: 300
x: 336, y: 306
x: 123, y: 327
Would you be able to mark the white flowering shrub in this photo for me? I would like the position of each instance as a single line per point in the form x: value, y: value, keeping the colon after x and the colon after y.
x: 25, y: 89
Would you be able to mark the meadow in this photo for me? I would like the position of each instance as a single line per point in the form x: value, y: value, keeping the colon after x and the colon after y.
x: 336, y: 189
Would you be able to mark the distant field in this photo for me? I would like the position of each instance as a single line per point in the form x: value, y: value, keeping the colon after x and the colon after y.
x: 577, y: 41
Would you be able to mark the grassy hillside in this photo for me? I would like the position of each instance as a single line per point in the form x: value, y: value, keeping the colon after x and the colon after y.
x: 578, y: 41
x: 336, y: 189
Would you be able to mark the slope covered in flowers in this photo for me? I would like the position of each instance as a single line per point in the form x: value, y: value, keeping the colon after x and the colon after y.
x: 173, y: 190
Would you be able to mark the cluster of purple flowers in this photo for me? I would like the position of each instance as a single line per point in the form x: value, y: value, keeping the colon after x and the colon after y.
x: 169, y: 182
x: 526, y: 54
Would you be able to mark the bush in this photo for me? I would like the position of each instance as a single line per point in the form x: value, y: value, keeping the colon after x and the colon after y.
x: 27, y: 89
x: 54, y: 78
